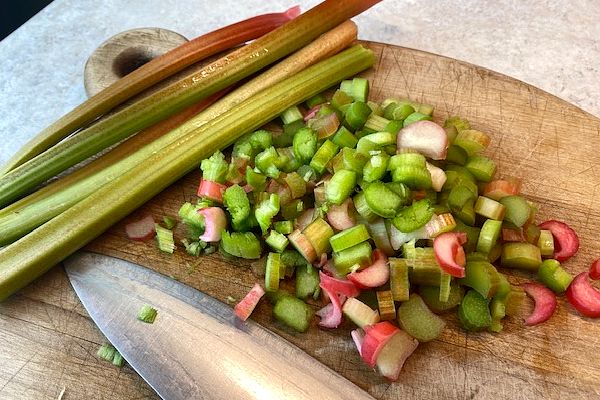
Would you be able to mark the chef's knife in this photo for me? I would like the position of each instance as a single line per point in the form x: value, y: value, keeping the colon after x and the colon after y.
x: 196, y: 348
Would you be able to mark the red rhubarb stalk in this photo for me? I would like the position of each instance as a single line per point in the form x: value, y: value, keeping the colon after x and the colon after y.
x: 211, y: 190
x: 449, y: 252
x: 583, y: 296
x: 142, y: 229
x: 566, y: 241
x: 342, y: 217
x: 215, y: 222
x: 426, y: 137
x: 376, y: 336
x: 594, y: 271
x: 244, y: 308
x: 545, y: 303
x: 375, y: 275
x: 338, y: 286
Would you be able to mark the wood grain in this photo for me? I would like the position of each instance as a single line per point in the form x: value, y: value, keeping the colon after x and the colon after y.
x: 47, y: 341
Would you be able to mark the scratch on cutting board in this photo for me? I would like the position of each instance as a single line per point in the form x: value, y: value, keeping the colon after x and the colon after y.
x: 18, y: 371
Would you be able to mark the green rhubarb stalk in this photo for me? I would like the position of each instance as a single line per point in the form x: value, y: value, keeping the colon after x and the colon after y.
x: 32, y: 255
x: 30, y: 212
x: 213, y: 77
x: 146, y: 76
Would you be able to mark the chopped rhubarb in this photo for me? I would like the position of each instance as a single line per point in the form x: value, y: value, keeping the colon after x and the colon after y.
x: 342, y: 217
x: 244, y: 308
x: 545, y: 303
x: 360, y: 313
x: 426, y: 137
x: 211, y: 190
x: 566, y: 241
x: 393, y: 355
x: 375, y: 275
x: 325, y: 126
x: 312, y: 112
x: 301, y: 243
x: 513, y: 235
x: 331, y: 314
x: 438, y: 177
x: 142, y: 229
x: 500, y: 188
x: 215, y: 222
x: 376, y: 336
x: 338, y: 286
x: 594, y: 272
x: 358, y: 335
x: 305, y: 218
x: 449, y: 252
x: 583, y: 296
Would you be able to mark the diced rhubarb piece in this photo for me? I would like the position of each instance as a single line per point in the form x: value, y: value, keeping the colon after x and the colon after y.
x: 331, y: 314
x: 304, y: 247
x: 142, y: 229
x: 545, y: 303
x: 499, y: 188
x: 376, y: 336
x: 449, y: 252
x: 305, y: 219
x: 211, y: 190
x: 394, y: 354
x: 426, y: 137
x: 360, y: 313
x: 375, y: 275
x: 215, y: 222
x: 338, y: 286
x: 438, y: 177
x: 583, y: 296
x: 244, y: 308
x: 342, y: 217
x: 566, y: 241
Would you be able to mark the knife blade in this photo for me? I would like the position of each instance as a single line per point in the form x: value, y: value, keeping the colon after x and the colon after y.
x: 196, y: 348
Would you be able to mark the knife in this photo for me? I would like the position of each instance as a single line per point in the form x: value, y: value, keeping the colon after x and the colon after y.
x: 196, y: 348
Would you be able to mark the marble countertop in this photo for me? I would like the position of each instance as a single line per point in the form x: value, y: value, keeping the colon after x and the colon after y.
x: 551, y: 44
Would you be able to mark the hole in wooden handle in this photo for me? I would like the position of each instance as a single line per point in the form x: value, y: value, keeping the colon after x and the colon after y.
x: 125, y: 52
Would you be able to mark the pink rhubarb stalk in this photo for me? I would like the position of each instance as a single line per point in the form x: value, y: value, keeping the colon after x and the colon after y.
x: 244, y: 308
x: 426, y: 137
x: 583, y: 296
x: 566, y: 241
x: 375, y: 275
x: 376, y: 336
x: 341, y: 217
x: 450, y: 254
x: 211, y: 190
x: 142, y: 229
x: 215, y: 222
x: 545, y: 303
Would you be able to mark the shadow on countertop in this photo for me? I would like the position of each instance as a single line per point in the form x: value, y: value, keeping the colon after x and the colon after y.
x: 16, y: 13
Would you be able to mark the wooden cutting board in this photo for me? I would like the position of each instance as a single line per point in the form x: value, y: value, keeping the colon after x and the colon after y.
x: 48, y: 342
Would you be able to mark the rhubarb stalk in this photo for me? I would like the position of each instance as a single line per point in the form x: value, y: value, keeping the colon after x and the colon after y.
x: 179, y: 95
x: 147, y: 75
x: 34, y: 254
x: 26, y: 214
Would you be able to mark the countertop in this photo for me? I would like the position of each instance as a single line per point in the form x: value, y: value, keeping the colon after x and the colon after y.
x: 550, y: 44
